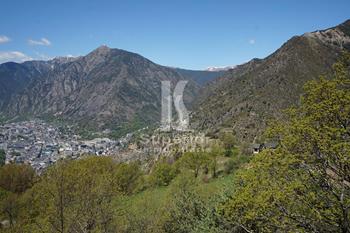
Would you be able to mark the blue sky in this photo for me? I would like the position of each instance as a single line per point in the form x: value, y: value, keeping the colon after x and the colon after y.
x: 183, y: 33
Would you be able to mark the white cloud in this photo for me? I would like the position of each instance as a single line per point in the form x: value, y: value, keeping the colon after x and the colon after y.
x: 251, y: 41
x: 4, y: 39
x: 14, y: 56
x: 42, y: 41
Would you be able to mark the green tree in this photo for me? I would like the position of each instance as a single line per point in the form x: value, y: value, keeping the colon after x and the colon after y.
x: 229, y: 141
x: 73, y: 196
x: 304, y: 185
x: 16, y: 178
x: 10, y: 207
x: 2, y: 157
x: 194, y: 161
x: 187, y: 212
x: 128, y: 177
x: 162, y: 174
x: 214, y: 153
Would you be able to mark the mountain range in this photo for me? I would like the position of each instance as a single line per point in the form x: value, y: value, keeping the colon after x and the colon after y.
x: 108, y: 89
x: 119, y: 91
x: 247, y: 97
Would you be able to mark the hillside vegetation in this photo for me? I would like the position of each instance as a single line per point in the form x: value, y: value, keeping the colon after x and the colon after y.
x: 302, y: 186
x: 247, y: 97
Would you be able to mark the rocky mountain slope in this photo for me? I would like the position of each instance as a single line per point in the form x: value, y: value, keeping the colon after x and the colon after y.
x: 15, y: 77
x: 112, y: 89
x: 246, y: 97
x: 106, y: 89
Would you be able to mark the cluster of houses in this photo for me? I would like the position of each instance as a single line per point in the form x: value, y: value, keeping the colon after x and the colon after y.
x: 40, y: 144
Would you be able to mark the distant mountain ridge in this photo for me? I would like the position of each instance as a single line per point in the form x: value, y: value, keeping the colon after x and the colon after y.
x: 106, y: 89
x: 113, y: 89
x: 200, y: 76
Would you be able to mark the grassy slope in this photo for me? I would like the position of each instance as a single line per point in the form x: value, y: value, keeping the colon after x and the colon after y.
x: 147, y: 206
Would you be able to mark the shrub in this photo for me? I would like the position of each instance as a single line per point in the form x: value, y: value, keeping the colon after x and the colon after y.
x: 127, y: 177
x: 16, y: 178
x: 162, y: 174
x: 2, y: 157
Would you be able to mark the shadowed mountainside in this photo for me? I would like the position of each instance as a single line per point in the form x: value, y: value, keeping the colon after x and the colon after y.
x: 246, y: 97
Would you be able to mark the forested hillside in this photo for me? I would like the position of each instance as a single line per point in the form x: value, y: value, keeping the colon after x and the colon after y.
x: 301, y: 186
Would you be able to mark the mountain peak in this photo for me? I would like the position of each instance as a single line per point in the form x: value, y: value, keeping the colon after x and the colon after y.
x: 99, y: 54
x: 345, y: 27
x: 347, y: 22
x: 338, y: 36
x: 102, y: 49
